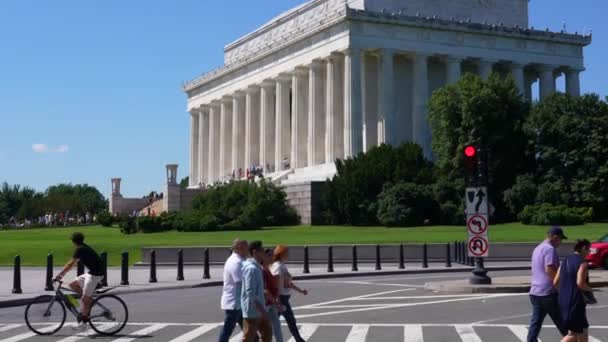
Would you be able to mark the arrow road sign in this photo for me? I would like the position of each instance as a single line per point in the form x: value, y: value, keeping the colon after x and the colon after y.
x: 477, y: 224
x: 477, y: 200
x: 478, y: 246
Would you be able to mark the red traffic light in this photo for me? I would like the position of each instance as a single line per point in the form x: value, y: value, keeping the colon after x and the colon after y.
x: 470, y: 151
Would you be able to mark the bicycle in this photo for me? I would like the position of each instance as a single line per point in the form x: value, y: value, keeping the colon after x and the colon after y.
x: 46, y: 314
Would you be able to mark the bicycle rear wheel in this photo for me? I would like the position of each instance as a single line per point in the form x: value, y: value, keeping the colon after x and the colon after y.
x: 109, y: 315
x: 45, y: 315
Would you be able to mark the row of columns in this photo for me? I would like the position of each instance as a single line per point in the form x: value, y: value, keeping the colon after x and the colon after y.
x: 315, y: 114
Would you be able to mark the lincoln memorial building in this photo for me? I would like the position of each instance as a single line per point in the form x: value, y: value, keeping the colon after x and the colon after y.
x: 332, y: 78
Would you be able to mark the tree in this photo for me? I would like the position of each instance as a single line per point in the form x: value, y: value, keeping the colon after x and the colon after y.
x: 487, y: 113
x: 570, y: 138
x: 184, y: 182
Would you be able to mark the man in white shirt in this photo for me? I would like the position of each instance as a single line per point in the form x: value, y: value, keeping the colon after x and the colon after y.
x: 231, y: 292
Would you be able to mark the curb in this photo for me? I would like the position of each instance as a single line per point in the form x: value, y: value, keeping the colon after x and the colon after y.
x: 215, y: 283
x: 466, y: 288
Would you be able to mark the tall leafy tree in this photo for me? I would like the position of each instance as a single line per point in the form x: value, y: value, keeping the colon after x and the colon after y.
x: 490, y: 114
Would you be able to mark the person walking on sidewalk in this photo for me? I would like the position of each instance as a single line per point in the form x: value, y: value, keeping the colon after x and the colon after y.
x: 543, y: 296
x: 231, y: 291
x: 284, y: 279
x: 271, y: 291
x: 255, y: 319
x: 85, y: 284
x: 572, y: 280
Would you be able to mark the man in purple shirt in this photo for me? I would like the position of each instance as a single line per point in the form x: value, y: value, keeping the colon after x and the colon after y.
x: 543, y: 297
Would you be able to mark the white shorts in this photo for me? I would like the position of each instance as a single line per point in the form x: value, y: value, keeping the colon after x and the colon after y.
x: 88, y: 283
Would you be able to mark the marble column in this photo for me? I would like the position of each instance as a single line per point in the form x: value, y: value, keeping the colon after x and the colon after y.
x: 573, y: 85
x: 203, y: 143
x: 386, y: 99
x: 282, y: 133
x: 547, y: 81
x: 421, y: 128
x: 238, y: 134
x: 353, y: 112
x: 316, y: 114
x: 214, y: 142
x: 453, y: 69
x: 225, y: 137
x: 252, y: 127
x: 299, y: 124
x: 194, y: 145
x: 370, y: 84
x: 334, y: 127
x: 517, y: 71
x: 530, y: 77
x: 267, y: 131
x: 485, y: 68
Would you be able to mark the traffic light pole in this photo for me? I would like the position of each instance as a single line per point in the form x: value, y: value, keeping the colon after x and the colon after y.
x: 480, y: 274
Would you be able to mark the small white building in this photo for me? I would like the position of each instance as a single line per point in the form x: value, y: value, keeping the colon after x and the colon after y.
x: 332, y: 78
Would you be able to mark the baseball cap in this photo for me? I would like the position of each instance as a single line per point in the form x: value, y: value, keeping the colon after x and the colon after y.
x: 557, y: 231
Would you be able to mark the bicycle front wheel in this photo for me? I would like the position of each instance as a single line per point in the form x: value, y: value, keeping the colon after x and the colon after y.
x: 109, y: 315
x: 45, y: 315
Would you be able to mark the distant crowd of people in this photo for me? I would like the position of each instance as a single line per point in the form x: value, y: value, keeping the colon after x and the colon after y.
x: 250, y: 173
x: 51, y: 219
x: 257, y: 290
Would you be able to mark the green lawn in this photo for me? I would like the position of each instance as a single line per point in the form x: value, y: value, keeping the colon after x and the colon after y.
x: 33, y: 245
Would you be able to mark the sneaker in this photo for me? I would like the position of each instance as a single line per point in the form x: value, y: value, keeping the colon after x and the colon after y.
x: 81, y: 326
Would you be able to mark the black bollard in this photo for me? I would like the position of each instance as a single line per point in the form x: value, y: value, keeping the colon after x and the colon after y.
x: 153, y: 267
x: 425, y: 257
x: 448, y: 256
x: 17, y: 276
x: 455, y: 251
x: 79, y: 268
x: 206, y: 274
x: 330, y: 259
x: 401, y: 257
x: 124, y: 269
x: 306, y: 261
x: 355, y: 266
x: 104, y: 269
x: 463, y: 253
x: 378, y: 265
x: 49, y: 273
x: 180, y: 265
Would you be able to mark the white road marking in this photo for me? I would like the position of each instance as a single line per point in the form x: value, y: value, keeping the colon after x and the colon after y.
x: 346, y: 306
x: 593, y: 339
x: 142, y: 332
x: 9, y: 327
x: 306, y: 331
x: 236, y: 338
x: 351, y: 298
x: 191, y: 335
x: 27, y: 335
x: 358, y: 333
x: 412, y: 333
x: 82, y: 335
x: 501, y: 318
x: 520, y: 331
x: 467, y: 333
x: 424, y: 297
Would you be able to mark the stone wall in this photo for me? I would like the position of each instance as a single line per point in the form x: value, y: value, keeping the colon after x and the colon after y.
x: 186, y: 197
x: 121, y: 205
x: 305, y: 198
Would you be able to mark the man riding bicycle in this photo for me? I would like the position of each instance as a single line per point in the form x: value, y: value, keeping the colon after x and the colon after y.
x: 85, y: 284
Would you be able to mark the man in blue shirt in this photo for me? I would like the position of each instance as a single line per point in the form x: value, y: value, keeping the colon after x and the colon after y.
x: 255, y: 319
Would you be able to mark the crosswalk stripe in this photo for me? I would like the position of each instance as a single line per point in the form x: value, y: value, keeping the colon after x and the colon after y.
x: 306, y: 331
x: 413, y: 333
x: 236, y: 338
x: 519, y: 331
x: 80, y: 336
x: 191, y: 335
x: 358, y: 333
x: 141, y: 333
x: 593, y: 339
x: 9, y: 327
x: 26, y: 335
x: 467, y: 333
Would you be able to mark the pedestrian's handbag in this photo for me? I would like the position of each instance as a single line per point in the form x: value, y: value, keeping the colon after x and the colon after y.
x: 589, y: 297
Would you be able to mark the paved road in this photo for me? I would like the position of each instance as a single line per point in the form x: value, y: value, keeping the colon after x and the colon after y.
x: 375, y: 309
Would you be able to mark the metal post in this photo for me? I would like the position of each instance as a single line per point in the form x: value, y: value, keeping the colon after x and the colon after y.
x: 206, y: 274
x: 153, y: 267
x: 425, y: 256
x: 355, y: 267
x: 455, y: 252
x: 180, y: 265
x: 104, y: 269
x: 401, y: 257
x: 378, y: 265
x: 330, y: 259
x: 463, y: 251
x: 17, y: 276
x: 124, y: 269
x: 480, y: 274
x: 49, y: 273
x: 306, y: 266
x: 80, y: 268
x: 448, y: 256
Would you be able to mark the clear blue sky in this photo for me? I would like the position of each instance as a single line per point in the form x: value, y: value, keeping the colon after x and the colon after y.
x: 91, y: 90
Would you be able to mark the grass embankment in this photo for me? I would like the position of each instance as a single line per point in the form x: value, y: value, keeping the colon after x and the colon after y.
x: 34, y: 244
